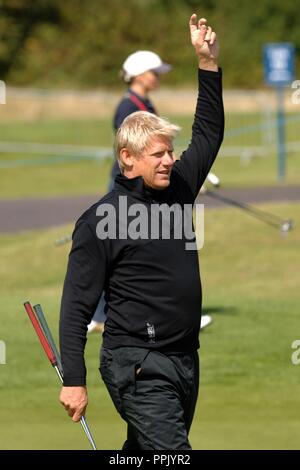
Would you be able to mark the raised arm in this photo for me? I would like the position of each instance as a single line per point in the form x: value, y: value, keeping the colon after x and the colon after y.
x: 208, y: 126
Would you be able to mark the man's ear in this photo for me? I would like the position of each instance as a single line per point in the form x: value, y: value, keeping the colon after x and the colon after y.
x: 126, y: 157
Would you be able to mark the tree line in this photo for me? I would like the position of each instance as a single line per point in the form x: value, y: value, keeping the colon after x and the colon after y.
x: 82, y: 44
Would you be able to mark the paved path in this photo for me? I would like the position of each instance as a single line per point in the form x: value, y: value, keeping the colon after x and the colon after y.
x: 27, y: 214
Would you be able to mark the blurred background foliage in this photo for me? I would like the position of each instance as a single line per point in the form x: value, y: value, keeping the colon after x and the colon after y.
x: 78, y: 44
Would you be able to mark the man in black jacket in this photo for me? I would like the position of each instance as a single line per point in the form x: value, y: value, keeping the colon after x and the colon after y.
x: 142, y: 71
x: 149, y: 359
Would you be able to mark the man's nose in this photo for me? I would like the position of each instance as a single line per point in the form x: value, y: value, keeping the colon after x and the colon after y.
x: 168, y: 159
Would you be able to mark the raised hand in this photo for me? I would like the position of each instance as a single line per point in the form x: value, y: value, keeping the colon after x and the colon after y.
x: 204, y: 40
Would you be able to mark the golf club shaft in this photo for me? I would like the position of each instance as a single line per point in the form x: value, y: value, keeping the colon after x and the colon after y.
x: 63, y: 241
x: 270, y: 219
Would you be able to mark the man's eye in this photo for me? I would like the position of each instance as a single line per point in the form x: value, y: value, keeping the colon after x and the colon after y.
x: 161, y: 154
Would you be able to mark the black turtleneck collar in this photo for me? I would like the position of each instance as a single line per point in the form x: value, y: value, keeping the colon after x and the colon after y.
x: 137, y: 188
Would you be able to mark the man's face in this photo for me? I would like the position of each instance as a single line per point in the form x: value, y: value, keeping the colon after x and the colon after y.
x: 155, y: 163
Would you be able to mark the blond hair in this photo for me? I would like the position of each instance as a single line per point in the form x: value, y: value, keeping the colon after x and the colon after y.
x: 138, y: 129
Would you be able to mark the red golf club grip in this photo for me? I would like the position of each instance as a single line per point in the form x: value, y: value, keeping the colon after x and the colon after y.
x: 40, y: 333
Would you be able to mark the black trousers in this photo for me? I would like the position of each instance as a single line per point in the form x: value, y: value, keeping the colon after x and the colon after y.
x: 155, y: 394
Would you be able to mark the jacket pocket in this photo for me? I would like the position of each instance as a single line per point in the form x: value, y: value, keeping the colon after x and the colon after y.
x: 118, y: 369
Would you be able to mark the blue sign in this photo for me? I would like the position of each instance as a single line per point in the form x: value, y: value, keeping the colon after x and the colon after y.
x: 279, y: 63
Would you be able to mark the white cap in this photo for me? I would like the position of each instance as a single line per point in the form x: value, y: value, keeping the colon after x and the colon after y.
x: 142, y: 61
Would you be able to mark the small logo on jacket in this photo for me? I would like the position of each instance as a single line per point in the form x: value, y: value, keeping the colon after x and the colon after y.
x: 151, y: 332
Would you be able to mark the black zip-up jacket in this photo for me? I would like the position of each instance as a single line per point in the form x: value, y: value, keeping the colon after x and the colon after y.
x: 152, y: 286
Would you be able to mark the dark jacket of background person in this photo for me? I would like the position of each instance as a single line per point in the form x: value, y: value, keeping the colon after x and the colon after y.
x: 130, y: 103
x: 153, y: 286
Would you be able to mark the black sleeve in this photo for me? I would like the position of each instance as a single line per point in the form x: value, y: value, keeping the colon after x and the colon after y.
x: 125, y: 108
x: 82, y: 290
x: 207, y: 132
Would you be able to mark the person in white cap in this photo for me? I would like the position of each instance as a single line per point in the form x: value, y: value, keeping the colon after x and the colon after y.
x: 141, y: 70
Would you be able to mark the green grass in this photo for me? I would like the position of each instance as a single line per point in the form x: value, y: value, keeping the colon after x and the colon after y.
x: 43, y: 178
x: 260, y: 171
x: 56, y: 131
x: 249, y: 394
x: 90, y: 177
x: 257, y: 171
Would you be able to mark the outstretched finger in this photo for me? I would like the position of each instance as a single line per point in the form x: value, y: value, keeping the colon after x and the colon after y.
x: 193, y: 22
x: 203, y: 32
x: 202, y: 22
x: 213, y: 38
x: 208, y: 33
